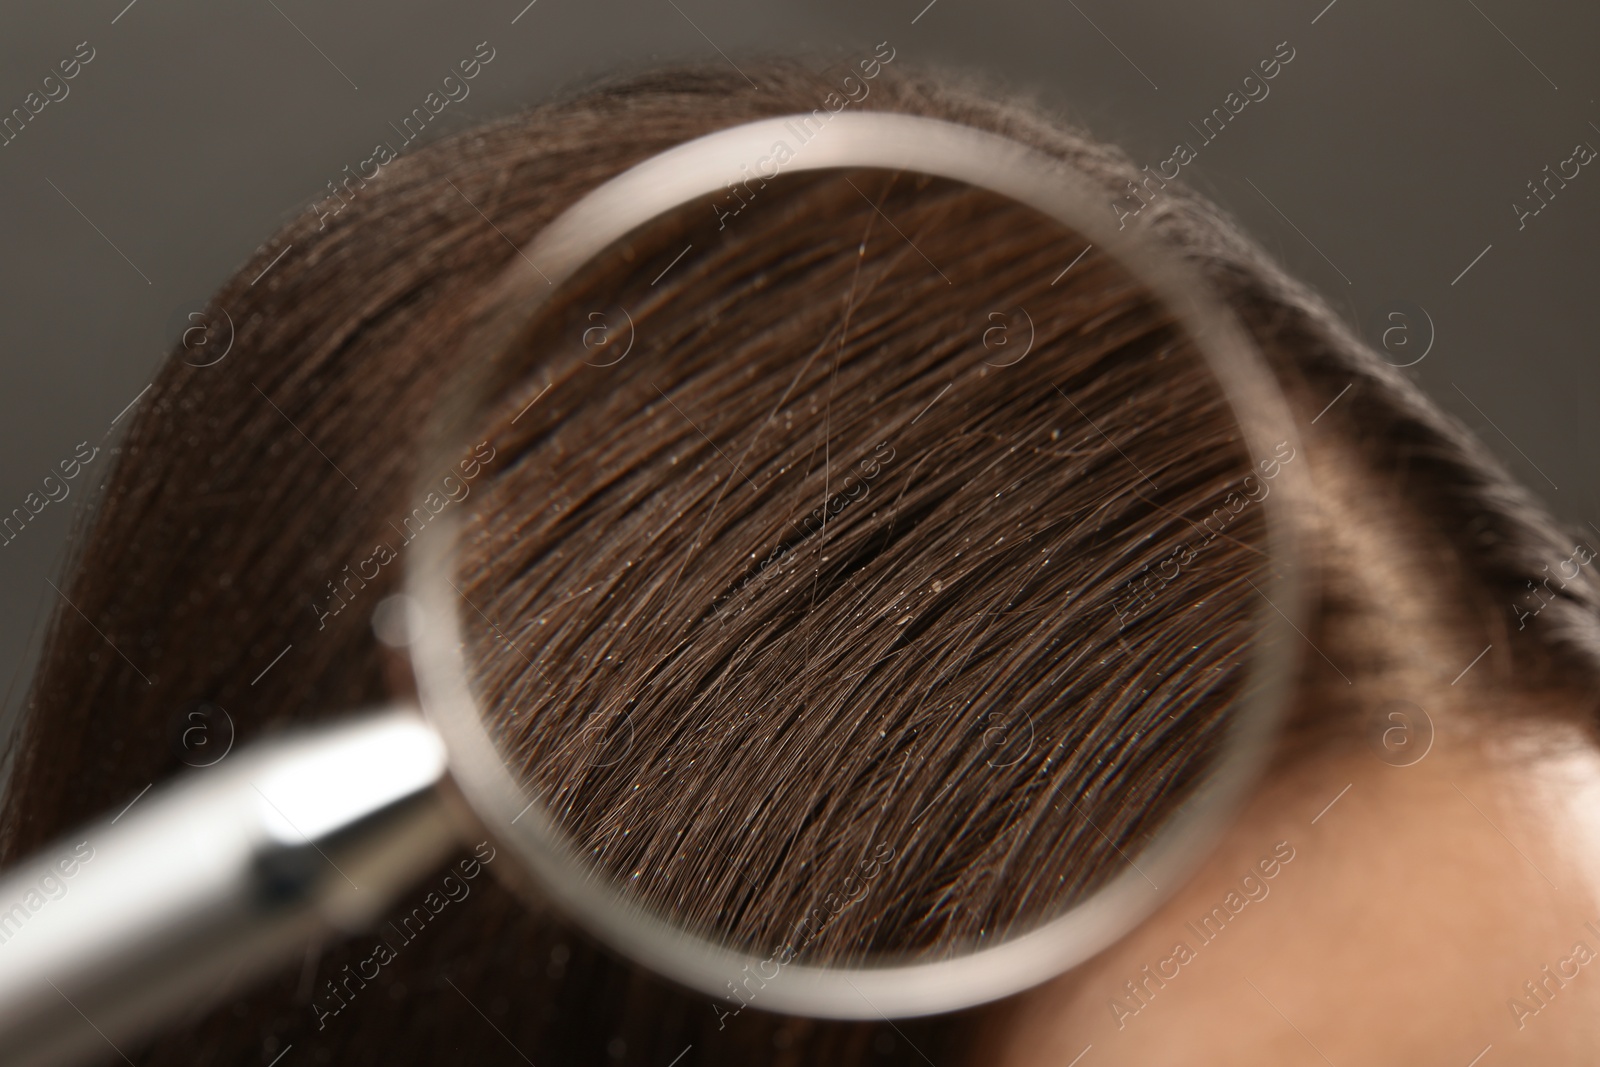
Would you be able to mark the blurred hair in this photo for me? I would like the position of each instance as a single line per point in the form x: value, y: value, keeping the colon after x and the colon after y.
x: 222, y: 528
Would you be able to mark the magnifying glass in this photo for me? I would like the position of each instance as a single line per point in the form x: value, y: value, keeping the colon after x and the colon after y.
x: 627, y: 640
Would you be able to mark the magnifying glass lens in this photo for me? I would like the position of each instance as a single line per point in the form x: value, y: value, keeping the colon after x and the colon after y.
x: 859, y: 568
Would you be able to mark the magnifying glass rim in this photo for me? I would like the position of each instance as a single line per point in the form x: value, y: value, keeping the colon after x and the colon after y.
x: 986, y: 161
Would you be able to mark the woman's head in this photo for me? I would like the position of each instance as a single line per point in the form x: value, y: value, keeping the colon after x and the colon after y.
x: 808, y: 576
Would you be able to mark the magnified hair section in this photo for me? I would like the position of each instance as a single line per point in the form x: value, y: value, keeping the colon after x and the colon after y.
x: 870, y: 576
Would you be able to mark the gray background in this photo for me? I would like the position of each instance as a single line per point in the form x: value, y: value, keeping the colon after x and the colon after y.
x: 1385, y: 159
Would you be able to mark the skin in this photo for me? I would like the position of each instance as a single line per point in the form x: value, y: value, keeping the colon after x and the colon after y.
x: 1411, y: 915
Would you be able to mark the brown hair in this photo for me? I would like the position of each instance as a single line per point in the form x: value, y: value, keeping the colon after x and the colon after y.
x: 248, y: 492
x: 810, y: 558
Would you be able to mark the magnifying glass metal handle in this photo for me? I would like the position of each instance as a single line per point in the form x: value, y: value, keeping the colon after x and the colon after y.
x: 198, y: 887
